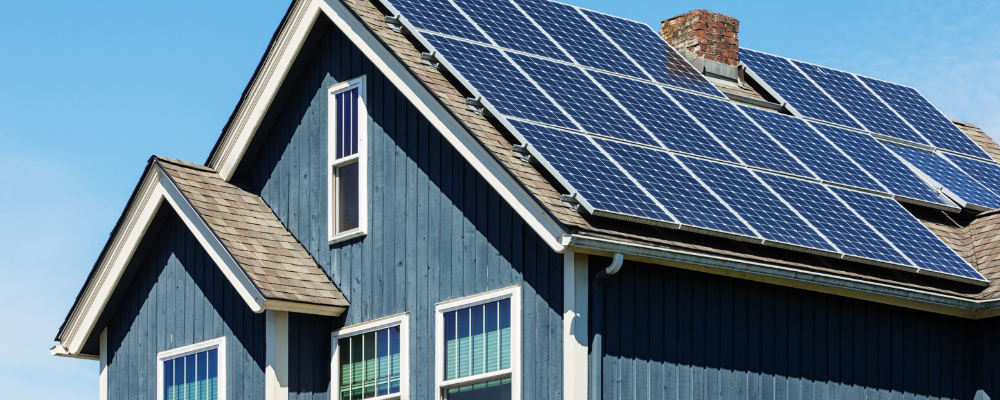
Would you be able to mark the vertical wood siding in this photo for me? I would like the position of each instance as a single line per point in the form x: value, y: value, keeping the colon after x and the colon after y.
x: 676, y: 334
x: 179, y: 297
x: 437, y: 230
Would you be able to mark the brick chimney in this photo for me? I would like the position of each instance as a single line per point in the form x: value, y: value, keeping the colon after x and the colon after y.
x: 707, y: 39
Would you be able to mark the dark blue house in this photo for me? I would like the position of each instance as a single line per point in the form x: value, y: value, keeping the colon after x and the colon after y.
x: 423, y: 199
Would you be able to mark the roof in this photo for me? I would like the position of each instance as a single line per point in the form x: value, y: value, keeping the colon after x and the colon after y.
x: 274, y: 260
x: 543, y: 187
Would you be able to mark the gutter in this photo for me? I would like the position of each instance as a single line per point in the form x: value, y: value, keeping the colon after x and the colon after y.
x: 785, y: 276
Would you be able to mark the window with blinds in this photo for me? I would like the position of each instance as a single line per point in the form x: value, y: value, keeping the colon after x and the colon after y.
x: 477, y: 351
x: 370, y: 365
x: 192, y: 374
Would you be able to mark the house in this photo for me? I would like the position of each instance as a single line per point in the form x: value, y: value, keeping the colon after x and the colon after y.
x: 372, y: 224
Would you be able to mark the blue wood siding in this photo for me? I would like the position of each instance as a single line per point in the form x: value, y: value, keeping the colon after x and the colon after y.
x: 437, y: 230
x: 309, y: 356
x: 176, y: 298
x: 676, y: 334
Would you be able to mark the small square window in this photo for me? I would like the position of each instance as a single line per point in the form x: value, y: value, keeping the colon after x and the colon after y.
x: 348, y: 132
x: 371, y: 360
x: 195, y: 372
x: 479, y: 347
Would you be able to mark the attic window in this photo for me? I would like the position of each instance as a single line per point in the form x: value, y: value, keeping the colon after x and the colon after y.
x: 348, y: 173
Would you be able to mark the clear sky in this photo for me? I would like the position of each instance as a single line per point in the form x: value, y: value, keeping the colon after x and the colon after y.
x: 90, y: 89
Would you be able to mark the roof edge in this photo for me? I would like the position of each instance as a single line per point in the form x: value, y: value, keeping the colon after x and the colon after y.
x: 789, y: 277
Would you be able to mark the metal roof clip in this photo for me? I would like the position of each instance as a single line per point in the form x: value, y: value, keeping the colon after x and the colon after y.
x: 570, y: 201
x: 395, y: 24
x: 431, y: 59
x: 522, y: 152
x: 475, y: 105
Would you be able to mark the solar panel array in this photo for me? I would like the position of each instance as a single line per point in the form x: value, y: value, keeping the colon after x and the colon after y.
x: 630, y: 127
x: 859, y: 102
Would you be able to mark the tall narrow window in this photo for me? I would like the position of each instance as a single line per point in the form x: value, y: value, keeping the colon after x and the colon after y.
x: 348, y: 132
x: 193, y: 372
x: 371, y: 360
x: 479, y: 344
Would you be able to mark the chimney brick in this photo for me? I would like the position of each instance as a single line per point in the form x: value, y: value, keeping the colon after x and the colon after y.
x: 704, y: 34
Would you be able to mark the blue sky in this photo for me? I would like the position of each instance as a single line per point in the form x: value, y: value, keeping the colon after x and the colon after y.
x: 89, y: 90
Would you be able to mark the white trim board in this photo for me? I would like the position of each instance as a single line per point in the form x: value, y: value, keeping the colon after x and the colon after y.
x: 278, y: 62
x: 156, y: 189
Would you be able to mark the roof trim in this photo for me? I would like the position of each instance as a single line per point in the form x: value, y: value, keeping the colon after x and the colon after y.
x: 301, y: 18
x: 790, y: 277
x: 156, y: 189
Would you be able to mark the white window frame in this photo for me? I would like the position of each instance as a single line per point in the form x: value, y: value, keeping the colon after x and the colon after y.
x: 400, y: 320
x: 217, y: 343
x: 361, y: 157
x: 514, y: 372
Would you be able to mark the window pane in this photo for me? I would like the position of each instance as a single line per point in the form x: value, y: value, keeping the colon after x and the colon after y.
x: 168, y: 379
x: 346, y: 131
x: 347, y: 197
x: 499, y: 389
x: 477, y: 339
x: 369, y: 364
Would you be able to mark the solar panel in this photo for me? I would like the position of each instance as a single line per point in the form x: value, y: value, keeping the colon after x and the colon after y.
x: 439, y: 16
x: 510, y: 28
x: 499, y: 81
x: 860, y: 102
x: 588, y: 171
x: 795, y: 88
x: 652, y: 53
x: 833, y: 219
x: 739, y: 134
x: 760, y: 208
x: 812, y: 149
x: 948, y: 176
x: 885, y: 167
x: 675, y: 188
x: 664, y: 118
x: 579, y: 37
x: 920, y: 113
x: 583, y: 99
x: 908, y: 235
x: 986, y: 174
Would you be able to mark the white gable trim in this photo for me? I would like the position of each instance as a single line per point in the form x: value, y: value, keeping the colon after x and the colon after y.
x: 156, y: 190
x: 262, y: 91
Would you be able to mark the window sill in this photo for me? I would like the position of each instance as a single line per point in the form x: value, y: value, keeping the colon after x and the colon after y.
x: 344, y: 236
x: 489, y: 376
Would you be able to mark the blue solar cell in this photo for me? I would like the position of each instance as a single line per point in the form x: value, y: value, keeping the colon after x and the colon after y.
x: 579, y: 37
x: 739, y: 133
x: 828, y: 214
x: 795, y: 88
x: 674, y: 187
x: 948, y: 176
x: 510, y: 28
x: 588, y: 171
x: 911, y: 237
x: 920, y: 113
x: 652, y: 53
x: 583, y: 99
x: 439, y: 16
x: 499, y: 81
x: 860, y: 102
x: 986, y: 174
x: 760, y: 208
x: 664, y: 118
x: 885, y: 167
x: 812, y: 149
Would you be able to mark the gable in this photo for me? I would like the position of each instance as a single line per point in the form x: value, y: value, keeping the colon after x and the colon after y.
x: 166, y: 185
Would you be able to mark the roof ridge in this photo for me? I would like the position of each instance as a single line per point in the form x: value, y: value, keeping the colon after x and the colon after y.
x: 182, y: 163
